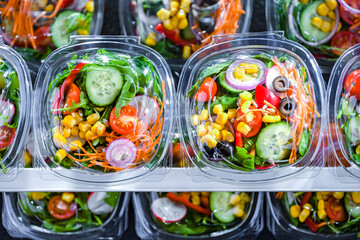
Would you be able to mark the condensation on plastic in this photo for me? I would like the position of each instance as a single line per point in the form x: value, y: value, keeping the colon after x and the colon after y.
x: 13, y: 158
x: 337, y: 151
x: 147, y: 228
x: 279, y: 224
x: 231, y: 47
x: 20, y: 227
x: 128, y: 26
x: 55, y: 63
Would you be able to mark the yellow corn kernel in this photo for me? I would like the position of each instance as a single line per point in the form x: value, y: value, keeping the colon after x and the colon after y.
x: 95, y: 126
x: 150, y: 41
x: 251, y: 68
x: 227, y: 136
x: 67, y: 132
x: 321, y: 204
x: 163, y: 14
x: 38, y: 195
x: 49, y: 8
x: 338, y: 195
x: 60, y: 154
x: 326, y: 26
x: 319, y: 196
x: 295, y: 211
x: 183, y: 23
x: 238, y: 210
x: 82, y: 134
x: 181, y: 14
x: 222, y: 118
x: 303, y: 215
x: 84, y: 126
x: 243, y: 128
x: 210, y: 141
x: 81, y: 31
x: 245, y: 106
x: 323, y: 10
x: 232, y: 113
x: 218, y: 108
x: 208, y: 126
x: 69, y: 121
x: 245, y: 96
x: 245, y: 197
x: 185, y: 7
x: 332, y: 15
x: 186, y: 52
x: 75, y: 145
x: 201, y: 130
x: 205, y: 194
x: 93, y: 118
x: 317, y: 22
x: 195, y: 199
x: 195, y: 119
x: 174, y: 21
x: 249, y: 116
x: 174, y: 7
x: 90, y: 135
x: 308, y: 206
x: 218, y: 126
x: 194, y: 193
x: 204, y: 115
x: 239, y: 73
x: 167, y: 25
x: 75, y: 131
x: 67, y: 197
x: 355, y: 197
x: 234, y: 199
x: 27, y: 158
x: 77, y: 117
x: 322, y: 213
x: 89, y: 7
x: 304, y: 1
x: 271, y: 119
x: 100, y: 129
x: 217, y: 134
x: 331, y: 4
x: 326, y: 195
x: 59, y: 139
x: 339, y: 28
x: 357, y: 149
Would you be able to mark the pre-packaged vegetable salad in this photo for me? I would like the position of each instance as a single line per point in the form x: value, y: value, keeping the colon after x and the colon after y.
x: 105, y: 110
x: 249, y: 109
x: 35, y: 28
x: 178, y: 215
x: 65, y: 215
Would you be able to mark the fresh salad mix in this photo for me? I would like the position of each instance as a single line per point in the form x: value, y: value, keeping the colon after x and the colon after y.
x: 107, y: 112
x: 177, y: 28
x: 328, y: 212
x: 325, y: 27
x: 253, y: 112
x: 190, y: 213
x: 67, y: 211
x: 35, y: 28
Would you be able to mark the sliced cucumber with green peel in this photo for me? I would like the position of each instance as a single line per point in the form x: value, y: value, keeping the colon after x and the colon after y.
x: 273, y: 142
x: 103, y: 84
x: 60, y: 31
x: 219, y: 205
x: 352, y: 130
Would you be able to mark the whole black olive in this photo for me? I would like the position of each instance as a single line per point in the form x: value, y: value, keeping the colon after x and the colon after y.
x: 210, y: 2
x: 287, y: 106
x: 225, y: 148
x: 281, y: 84
x: 207, y: 24
x: 209, y: 151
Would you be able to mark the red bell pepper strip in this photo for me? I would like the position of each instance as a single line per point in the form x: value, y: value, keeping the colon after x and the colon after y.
x: 238, y: 141
x: 173, y: 35
x: 306, y: 198
x: 184, y: 199
x: 315, y: 226
x: 265, y: 167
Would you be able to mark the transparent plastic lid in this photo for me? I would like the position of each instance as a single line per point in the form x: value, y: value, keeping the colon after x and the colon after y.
x: 252, y: 107
x: 351, y: 6
x: 106, y: 109
x: 326, y: 28
x: 178, y: 29
x: 36, y: 28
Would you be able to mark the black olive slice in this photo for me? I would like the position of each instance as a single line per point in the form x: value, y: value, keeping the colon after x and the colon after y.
x: 207, y: 24
x: 281, y: 84
x: 287, y: 106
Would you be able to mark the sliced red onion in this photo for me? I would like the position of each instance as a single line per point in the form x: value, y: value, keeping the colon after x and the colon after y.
x: 97, y: 205
x: 7, y: 111
x: 121, y: 153
x: 147, y: 108
x: 250, y: 85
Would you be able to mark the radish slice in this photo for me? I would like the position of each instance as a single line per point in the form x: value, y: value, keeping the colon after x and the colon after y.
x: 148, y: 109
x: 66, y: 147
x: 168, y: 211
x: 7, y: 111
x: 270, y: 76
x: 97, y: 205
x: 121, y: 153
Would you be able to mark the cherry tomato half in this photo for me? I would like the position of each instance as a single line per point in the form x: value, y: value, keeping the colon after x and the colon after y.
x: 60, y: 209
x: 7, y: 135
x: 254, y: 124
x: 344, y: 40
x: 206, y: 91
x: 42, y: 36
x: 238, y: 139
x: 262, y: 94
x: 66, y: 3
x: 72, y: 97
x: 126, y: 122
x: 335, y: 210
x: 347, y: 16
x: 352, y: 84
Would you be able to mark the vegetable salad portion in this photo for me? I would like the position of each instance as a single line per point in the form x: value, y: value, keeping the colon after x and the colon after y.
x: 331, y: 212
x: 177, y: 28
x: 253, y: 113
x: 67, y: 211
x: 36, y: 28
x: 190, y: 213
x: 107, y: 112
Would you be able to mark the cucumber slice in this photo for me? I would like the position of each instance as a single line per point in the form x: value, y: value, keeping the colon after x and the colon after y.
x: 352, y: 130
x: 219, y: 205
x: 273, y: 141
x: 60, y: 31
x: 103, y: 84
x: 226, y: 87
x: 308, y: 31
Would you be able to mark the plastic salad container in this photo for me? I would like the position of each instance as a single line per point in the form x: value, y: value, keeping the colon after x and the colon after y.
x: 105, y: 109
x: 198, y: 215
x: 313, y: 215
x: 344, y: 110
x: 176, y: 28
x: 326, y: 28
x: 56, y: 215
x: 36, y: 28
x: 261, y: 75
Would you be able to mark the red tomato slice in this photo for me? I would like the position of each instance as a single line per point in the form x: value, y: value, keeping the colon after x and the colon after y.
x: 7, y: 135
x: 352, y: 84
x: 72, y: 97
x: 344, y: 40
x: 335, y: 210
x: 126, y: 122
x: 66, y: 3
x: 206, y: 91
x: 42, y: 36
x: 60, y: 209
x: 263, y: 94
x: 347, y: 16
x: 238, y: 142
x: 254, y: 124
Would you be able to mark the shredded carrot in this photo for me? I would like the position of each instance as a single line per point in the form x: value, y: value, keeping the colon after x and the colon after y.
x: 279, y: 195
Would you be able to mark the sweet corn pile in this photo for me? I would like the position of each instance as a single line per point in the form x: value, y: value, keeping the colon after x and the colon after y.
x: 326, y: 19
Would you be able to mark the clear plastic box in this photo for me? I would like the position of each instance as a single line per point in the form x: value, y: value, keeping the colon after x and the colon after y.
x: 233, y: 47
x: 42, y: 119
x: 147, y: 228
x: 20, y: 225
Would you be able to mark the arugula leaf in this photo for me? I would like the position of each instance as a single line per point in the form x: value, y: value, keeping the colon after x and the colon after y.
x: 128, y: 92
x: 226, y: 101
